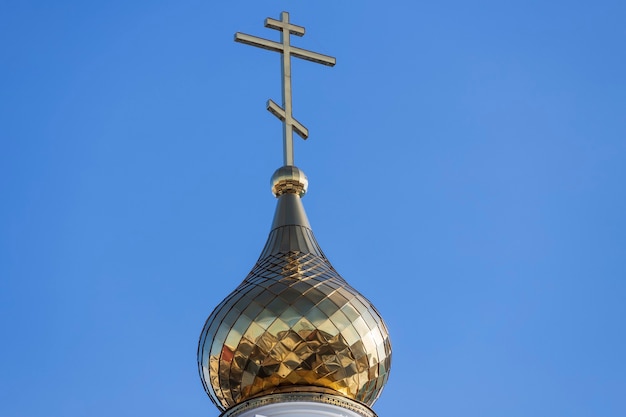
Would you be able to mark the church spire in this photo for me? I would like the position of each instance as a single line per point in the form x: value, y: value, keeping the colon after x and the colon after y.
x: 294, y: 338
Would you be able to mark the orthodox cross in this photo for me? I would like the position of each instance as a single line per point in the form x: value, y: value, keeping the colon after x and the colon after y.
x: 284, y: 113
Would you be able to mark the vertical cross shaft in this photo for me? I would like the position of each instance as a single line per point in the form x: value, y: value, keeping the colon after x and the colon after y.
x: 286, y: 76
x: 285, y: 113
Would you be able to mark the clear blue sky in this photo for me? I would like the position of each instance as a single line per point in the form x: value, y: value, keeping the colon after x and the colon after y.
x: 467, y: 167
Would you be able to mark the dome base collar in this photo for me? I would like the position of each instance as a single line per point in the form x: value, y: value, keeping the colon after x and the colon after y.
x: 302, y: 404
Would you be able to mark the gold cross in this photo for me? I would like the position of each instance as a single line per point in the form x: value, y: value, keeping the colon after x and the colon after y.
x: 287, y: 51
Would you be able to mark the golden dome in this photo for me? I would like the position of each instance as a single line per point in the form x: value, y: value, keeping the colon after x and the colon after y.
x: 294, y: 324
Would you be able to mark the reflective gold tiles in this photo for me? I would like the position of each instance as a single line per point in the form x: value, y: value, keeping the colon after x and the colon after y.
x: 294, y: 325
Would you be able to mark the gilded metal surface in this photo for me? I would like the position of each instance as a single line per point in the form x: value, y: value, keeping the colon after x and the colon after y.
x: 293, y: 330
x: 285, y: 113
x: 293, y: 325
x: 289, y: 179
x: 299, y: 397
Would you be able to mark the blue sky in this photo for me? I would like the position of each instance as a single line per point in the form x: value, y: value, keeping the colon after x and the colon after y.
x: 466, y: 161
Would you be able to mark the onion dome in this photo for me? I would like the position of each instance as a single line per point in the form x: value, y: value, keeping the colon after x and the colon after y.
x: 294, y: 325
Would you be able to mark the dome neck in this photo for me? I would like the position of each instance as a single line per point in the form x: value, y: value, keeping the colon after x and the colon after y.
x: 291, y: 231
x: 290, y: 212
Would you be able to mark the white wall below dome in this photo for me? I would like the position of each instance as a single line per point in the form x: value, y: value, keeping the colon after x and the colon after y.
x: 300, y: 409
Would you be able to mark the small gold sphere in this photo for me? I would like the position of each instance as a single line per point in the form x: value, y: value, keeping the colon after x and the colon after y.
x: 289, y: 179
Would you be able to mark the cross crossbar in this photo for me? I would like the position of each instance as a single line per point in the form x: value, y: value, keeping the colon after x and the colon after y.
x: 278, y: 47
x: 280, y: 25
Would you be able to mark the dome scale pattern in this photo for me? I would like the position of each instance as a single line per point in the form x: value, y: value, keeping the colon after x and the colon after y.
x: 293, y: 325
